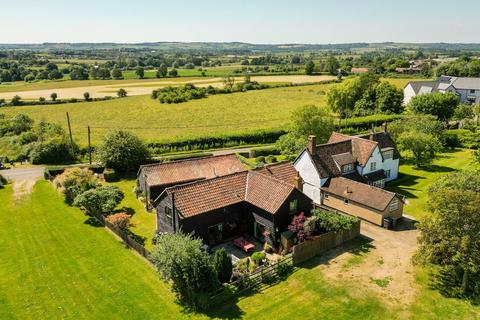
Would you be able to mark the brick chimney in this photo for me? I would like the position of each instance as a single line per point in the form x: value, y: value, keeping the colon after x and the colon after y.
x: 298, y: 182
x: 312, y: 144
x: 384, y: 127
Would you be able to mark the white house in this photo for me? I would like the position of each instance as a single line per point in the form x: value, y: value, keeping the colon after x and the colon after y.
x: 467, y: 89
x: 371, y: 159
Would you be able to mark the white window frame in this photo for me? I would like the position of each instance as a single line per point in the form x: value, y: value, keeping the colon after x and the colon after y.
x: 373, y: 166
x: 347, y: 168
x: 388, y: 154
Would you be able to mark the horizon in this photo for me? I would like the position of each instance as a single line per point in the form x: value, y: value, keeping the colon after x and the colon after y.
x: 266, y: 22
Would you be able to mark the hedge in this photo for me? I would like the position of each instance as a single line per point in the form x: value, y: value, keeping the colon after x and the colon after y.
x: 51, y: 172
x: 458, y: 138
x: 267, y: 151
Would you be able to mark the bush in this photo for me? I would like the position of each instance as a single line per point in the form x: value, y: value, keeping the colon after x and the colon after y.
x: 329, y: 221
x: 120, y: 220
x: 109, y: 175
x: 270, y: 159
x: 256, y: 152
x: 267, y: 248
x: 179, y: 259
x: 122, y: 151
x: 3, y: 181
x: 101, y: 200
x: 54, y: 151
x: 222, y: 264
x: 283, y: 269
x: 75, y: 181
x: 258, y: 257
x: 260, y: 160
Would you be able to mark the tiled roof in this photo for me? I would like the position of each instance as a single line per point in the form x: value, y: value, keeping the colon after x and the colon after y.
x: 384, y: 141
x: 266, y: 192
x: 362, y: 193
x: 283, y: 171
x: 192, y: 169
x: 361, y: 148
x: 323, y: 157
x: 263, y: 191
x: 344, y: 158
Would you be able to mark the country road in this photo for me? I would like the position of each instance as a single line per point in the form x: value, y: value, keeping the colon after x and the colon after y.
x: 18, y: 174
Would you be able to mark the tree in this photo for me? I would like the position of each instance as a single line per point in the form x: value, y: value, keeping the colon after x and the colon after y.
x: 222, y: 264
x: 297, y: 227
x: 121, y: 93
x: 101, y: 200
x: 79, y: 73
x: 228, y: 81
x: 449, y: 236
x: 463, y: 112
x: 309, y: 67
x: 307, y: 120
x: 140, y: 72
x: 442, y: 105
x: 19, y: 123
x: 179, y: 259
x: 427, y: 124
x: 422, y: 145
x: 86, y: 96
x: 16, y: 101
x: 173, y: 73
x: 389, y: 99
x: 476, y: 156
x: 117, y: 74
x: 332, y: 65
x: 75, y: 181
x: 122, y: 151
x: 162, y: 71
x: 53, y: 95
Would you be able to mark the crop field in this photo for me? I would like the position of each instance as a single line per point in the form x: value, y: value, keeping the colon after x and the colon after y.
x: 216, y: 115
x: 101, y: 88
x: 153, y: 121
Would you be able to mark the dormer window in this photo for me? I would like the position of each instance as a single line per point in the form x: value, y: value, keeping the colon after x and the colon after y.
x: 347, y: 168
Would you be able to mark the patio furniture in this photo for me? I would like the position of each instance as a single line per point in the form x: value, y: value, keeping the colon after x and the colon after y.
x: 243, y: 244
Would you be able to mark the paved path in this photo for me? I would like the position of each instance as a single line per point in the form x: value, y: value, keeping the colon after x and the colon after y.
x: 18, y: 174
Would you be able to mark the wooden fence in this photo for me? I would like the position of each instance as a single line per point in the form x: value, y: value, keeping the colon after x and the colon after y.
x: 263, y: 275
x: 309, y: 249
x: 125, y: 236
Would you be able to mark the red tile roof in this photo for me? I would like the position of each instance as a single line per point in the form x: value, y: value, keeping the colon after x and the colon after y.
x: 284, y: 171
x: 192, y: 169
x: 361, y: 148
x: 261, y: 190
x: 358, y: 192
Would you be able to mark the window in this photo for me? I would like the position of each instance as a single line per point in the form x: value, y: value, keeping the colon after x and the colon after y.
x: 373, y: 166
x: 388, y: 154
x: 345, y: 201
x: 472, y: 91
x: 293, y: 206
x: 347, y: 168
x: 168, y: 212
x: 394, y: 205
x: 379, y: 183
x: 387, y: 173
x: 326, y: 195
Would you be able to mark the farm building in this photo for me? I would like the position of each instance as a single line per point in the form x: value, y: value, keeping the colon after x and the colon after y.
x: 258, y: 202
x: 154, y: 178
x: 351, y: 165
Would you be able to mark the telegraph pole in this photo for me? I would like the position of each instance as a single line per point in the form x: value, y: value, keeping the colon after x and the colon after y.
x: 70, y: 133
x: 89, y: 147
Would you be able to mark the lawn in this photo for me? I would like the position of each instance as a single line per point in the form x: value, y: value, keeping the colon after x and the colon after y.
x: 413, y: 182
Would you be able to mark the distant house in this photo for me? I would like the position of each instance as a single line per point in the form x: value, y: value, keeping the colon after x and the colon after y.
x: 467, y: 89
x: 154, y: 178
x: 349, y: 172
x: 359, y: 70
x: 258, y: 202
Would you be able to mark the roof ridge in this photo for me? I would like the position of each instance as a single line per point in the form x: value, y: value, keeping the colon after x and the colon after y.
x: 271, y: 178
x: 367, y: 185
x: 188, y: 160
x: 332, y: 143
x: 204, y: 181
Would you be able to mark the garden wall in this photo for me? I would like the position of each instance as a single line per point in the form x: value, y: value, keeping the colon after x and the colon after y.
x: 311, y: 248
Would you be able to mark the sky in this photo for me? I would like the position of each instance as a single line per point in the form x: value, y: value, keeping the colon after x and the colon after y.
x: 253, y: 21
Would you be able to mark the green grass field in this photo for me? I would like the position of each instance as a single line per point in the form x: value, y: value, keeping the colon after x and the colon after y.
x: 413, y: 182
x: 153, y: 121
x: 54, y: 264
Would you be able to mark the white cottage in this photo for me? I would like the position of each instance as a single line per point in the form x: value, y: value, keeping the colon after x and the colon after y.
x: 372, y: 159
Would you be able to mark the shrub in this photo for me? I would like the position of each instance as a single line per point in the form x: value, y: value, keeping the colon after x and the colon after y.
x: 311, y: 225
x: 260, y: 159
x: 53, y: 151
x: 222, y: 264
x: 3, y: 181
x: 258, y: 257
x: 329, y: 221
x: 120, y: 220
x: 75, y: 181
x: 101, y: 200
x: 242, y: 265
x: 283, y: 269
x: 109, y: 175
x: 270, y: 159
x: 256, y: 152
x: 122, y: 151
x: 267, y: 248
x: 179, y: 259
x: 297, y: 227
